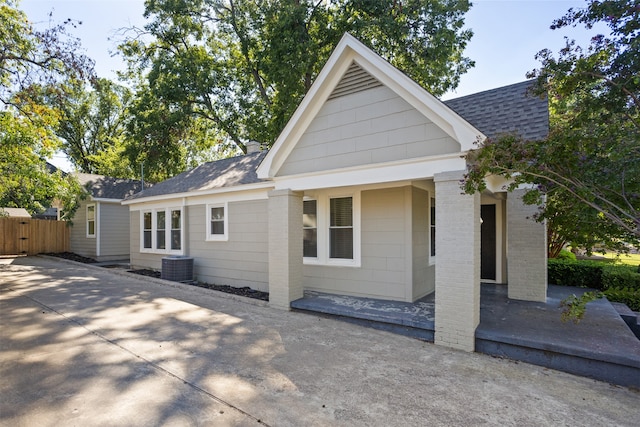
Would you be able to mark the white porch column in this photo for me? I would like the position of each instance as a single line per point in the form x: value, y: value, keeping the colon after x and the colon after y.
x: 457, y: 308
x: 526, y: 251
x: 285, y: 248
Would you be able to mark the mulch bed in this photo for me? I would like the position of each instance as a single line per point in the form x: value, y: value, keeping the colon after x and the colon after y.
x: 245, y: 292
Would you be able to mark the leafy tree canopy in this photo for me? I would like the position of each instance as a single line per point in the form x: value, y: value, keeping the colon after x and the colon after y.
x: 32, y: 63
x: 239, y: 68
x: 590, y: 163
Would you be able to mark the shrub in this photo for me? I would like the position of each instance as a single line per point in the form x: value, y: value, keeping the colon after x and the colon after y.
x: 582, y: 274
x: 619, y: 283
x: 565, y: 254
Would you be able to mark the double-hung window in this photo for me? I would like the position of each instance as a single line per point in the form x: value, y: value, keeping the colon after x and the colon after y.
x: 161, y: 230
x: 217, y: 222
x: 331, y: 230
x: 91, y: 220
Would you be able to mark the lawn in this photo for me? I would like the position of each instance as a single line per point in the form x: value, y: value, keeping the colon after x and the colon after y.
x: 629, y: 259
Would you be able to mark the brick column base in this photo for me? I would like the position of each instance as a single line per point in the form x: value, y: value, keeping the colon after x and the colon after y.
x: 457, y: 311
x: 526, y: 251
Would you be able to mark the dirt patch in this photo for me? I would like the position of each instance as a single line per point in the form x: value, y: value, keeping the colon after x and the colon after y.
x: 74, y: 257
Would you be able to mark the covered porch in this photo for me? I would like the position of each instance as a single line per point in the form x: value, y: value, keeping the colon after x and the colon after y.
x: 602, y: 346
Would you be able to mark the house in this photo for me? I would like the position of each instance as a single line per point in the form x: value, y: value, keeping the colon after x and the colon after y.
x: 359, y: 195
x: 14, y: 213
x: 100, y: 226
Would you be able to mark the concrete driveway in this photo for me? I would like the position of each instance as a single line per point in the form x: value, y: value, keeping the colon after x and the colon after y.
x: 83, y: 346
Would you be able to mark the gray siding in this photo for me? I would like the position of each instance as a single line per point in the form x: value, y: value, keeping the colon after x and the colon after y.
x: 371, y: 126
x: 243, y: 259
x: 79, y: 242
x: 385, y: 246
x: 114, y: 231
x: 240, y: 261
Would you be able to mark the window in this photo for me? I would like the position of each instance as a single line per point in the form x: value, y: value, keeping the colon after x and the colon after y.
x: 161, y: 224
x: 331, y: 229
x: 217, y: 225
x: 432, y: 226
x: 91, y: 220
x: 176, y: 225
x: 310, y: 228
x: 146, y: 230
x: 341, y: 228
x: 161, y: 231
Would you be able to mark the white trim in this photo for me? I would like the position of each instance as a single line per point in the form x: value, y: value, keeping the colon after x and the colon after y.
x: 217, y: 237
x: 431, y: 196
x: 323, y: 199
x: 98, y: 228
x: 167, y: 231
x: 201, y: 193
x: 405, y: 170
x: 105, y: 200
x: 95, y: 217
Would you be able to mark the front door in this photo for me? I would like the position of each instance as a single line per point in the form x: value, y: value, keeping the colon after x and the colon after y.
x: 488, y: 242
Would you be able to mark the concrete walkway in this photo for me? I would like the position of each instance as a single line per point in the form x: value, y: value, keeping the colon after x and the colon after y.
x: 82, y: 345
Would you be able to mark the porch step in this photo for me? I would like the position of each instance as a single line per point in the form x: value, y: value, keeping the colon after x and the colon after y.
x: 631, y: 318
x: 410, y: 319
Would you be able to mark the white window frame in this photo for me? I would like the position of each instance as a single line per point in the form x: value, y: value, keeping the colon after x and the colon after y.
x: 167, y: 228
x: 323, y: 206
x: 95, y: 222
x: 217, y: 237
x: 432, y: 228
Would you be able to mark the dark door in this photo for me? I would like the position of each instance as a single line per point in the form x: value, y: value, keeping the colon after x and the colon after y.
x: 488, y: 242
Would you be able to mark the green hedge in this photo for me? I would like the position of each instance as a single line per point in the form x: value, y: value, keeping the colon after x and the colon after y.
x: 620, y: 283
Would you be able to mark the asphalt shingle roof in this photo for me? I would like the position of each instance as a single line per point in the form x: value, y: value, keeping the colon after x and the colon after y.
x: 508, y: 109
x: 240, y: 170
x: 105, y: 187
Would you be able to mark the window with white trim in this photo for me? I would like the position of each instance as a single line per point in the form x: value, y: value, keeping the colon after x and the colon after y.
x: 161, y: 230
x: 310, y: 228
x: 331, y: 229
x: 146, y: 230
x: 91, y: 220
x: 217, y: 222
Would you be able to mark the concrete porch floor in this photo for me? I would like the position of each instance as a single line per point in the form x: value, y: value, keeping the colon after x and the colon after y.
x: 601, y: 346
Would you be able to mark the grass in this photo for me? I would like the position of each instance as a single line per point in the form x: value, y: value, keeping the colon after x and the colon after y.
x: 629, y: 259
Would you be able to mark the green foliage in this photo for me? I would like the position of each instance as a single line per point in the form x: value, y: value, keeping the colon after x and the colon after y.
x: 34, y: 63
x: 619, y: 283
x: 236, y: 70
x: 588, y: 166
x: 627, y: 295
x: 565, y: 254
x: 92, y: 126
x: 584, y: 274
x: 575, y: 307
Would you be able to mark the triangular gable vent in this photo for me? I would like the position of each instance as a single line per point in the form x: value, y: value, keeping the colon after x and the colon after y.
x: 354, y: 80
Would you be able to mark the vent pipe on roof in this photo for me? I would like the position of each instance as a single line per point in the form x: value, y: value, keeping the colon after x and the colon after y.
x: 253, y: 147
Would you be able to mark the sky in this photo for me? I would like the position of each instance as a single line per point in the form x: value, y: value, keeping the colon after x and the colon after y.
x: 507, y: 35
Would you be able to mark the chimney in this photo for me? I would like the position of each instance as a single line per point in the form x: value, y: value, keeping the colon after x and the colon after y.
x: 253, y: 147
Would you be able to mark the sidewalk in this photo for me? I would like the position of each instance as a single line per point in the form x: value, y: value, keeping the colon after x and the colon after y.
x: 81, y: 345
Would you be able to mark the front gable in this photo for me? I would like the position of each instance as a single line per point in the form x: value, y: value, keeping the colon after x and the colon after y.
x: 363, y: 113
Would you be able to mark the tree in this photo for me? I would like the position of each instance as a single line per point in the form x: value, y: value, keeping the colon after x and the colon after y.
x: 241, y: 67
x: 31, y: 63
x: 589, y: 166
x: 92, y: 126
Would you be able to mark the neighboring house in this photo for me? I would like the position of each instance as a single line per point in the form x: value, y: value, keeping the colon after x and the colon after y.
x: 100, y: 227
x: 14, y: 213
x: 360, y: 195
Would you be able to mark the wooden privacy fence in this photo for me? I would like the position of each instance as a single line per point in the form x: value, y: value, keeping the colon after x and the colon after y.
x: 33, y: 236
